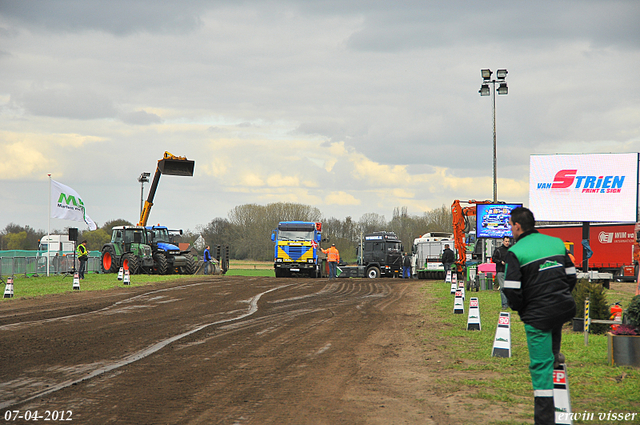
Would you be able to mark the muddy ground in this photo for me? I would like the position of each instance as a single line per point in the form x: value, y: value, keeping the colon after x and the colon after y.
x: 233, y: 350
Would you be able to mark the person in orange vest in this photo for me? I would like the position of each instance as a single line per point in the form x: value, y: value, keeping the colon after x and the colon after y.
x: 333, y: 257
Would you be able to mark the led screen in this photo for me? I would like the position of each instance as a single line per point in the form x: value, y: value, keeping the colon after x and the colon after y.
x: 492, y: 220
x: 589, y: 187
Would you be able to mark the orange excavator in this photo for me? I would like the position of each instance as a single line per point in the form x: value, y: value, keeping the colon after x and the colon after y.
x: 461, y: 226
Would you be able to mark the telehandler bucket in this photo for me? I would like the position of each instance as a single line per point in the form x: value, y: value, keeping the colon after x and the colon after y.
x: 176, y: 167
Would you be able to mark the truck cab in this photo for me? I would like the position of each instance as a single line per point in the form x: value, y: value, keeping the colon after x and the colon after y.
x: 381, y: 255
x: 297, y: 248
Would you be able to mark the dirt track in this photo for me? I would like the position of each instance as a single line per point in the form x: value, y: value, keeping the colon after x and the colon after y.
x: 228, y: 350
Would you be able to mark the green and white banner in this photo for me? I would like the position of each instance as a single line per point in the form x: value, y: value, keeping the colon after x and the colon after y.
x: 67, y: 205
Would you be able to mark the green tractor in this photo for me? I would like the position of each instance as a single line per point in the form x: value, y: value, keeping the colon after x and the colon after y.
x: 129, y: 249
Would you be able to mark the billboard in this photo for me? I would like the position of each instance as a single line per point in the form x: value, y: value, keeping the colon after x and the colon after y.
x: 586, y: 187
x: 492, y: 220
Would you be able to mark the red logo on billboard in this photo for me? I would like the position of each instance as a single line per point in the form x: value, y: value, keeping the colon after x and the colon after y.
x: 503, y: 320
x: 563, y: 179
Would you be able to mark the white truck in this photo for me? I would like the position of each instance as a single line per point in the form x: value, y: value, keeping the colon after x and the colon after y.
x: 427, y: 252
x: 59, y: 249
x: 55, y: 243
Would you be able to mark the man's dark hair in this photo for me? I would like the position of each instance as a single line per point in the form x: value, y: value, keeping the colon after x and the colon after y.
x: 525, y: 217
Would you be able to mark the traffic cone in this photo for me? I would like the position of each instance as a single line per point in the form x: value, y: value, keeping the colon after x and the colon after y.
x: 502, y: 341
x: 120, y: 273
x: 8, y: 289
x: 473, y: 321
x: 561, y: 395
x: 458, y: 303
x: 76, y: 282
x: 127, y: 280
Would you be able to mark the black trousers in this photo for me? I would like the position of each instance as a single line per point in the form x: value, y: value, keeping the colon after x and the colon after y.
x: 83, y: 267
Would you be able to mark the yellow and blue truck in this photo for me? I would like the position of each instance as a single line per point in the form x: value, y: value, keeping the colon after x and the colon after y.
x: 297, y: 249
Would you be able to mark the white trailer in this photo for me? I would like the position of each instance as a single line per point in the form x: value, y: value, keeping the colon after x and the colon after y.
x: 426, y: 255
x: 52, y: 244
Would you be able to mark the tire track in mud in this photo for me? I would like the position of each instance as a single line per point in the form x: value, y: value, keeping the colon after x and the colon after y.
x: 253, y: 307
x: 117, y: 304
x: 281, y: 312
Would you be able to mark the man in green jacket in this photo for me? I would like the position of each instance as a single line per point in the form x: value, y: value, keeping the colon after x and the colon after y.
x: 539, y: 278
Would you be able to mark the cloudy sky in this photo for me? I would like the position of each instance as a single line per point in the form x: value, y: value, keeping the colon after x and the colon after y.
x: 353, y: 107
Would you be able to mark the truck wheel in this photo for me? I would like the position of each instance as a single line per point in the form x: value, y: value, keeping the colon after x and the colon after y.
x: 190, y: 267
x: 109, y: 261
x: 279, y: 273
x: 373, y: 273
x: 160, y: 263
x: 130, y: 262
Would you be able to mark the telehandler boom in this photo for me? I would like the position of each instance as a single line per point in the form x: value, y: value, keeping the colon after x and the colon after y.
x: 171, y: 165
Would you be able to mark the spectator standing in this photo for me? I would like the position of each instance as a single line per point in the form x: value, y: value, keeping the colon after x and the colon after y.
x: 207, y: 259
x: 448, y: 258
x: 499, y: 257
x: 333, y: 258
x: 539, y: 278
x: 406, y: 266
x: 83, y: 256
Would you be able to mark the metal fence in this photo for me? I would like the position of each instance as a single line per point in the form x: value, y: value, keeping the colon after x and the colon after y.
x: 36, y: 265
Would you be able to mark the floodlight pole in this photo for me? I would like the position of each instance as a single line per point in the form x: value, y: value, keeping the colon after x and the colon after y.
x: 495, y: 156
x: 144, y: 177
x: 485, y: 91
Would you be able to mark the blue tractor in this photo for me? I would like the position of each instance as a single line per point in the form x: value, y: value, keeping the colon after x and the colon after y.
x: 167, y: 257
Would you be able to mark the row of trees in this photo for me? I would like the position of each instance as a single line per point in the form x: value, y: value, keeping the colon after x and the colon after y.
x: 247, y: 230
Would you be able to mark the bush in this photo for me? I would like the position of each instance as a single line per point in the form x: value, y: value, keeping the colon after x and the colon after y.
x: 632, y: 313
x: 598, y: 307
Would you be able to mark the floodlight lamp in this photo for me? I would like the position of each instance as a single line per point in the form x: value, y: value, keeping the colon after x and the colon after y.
x: 484, y: 90
x: 144, y: 177
x: 503, y: 89
x: 501, y: 74
x: 486, y: 74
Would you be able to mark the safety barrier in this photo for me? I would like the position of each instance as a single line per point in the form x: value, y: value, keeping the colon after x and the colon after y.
x: 35, y: 266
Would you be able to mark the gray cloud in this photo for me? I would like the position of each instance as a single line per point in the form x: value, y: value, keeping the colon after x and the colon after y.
x: 260, y: 94
x: 140, y: 118
x: 73, y: 103
x: 119, y: 17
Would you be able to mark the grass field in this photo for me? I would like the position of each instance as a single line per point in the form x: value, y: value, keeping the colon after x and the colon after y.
x: 596, y: 387
x: 250, y: 268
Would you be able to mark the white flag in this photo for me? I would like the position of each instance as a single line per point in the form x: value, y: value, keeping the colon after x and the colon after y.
x: 67, y: 205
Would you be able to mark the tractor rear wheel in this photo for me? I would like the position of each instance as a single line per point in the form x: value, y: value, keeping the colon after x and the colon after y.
x: 109, y: 261
x: 160, y: 263
x: 130, y: 262
x: 190, y: 267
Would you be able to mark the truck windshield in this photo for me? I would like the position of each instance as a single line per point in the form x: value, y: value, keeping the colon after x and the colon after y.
x: 394, y: 246
x: 295, y: 235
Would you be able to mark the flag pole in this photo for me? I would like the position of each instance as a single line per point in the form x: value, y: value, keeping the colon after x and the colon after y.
x: 49, y: 228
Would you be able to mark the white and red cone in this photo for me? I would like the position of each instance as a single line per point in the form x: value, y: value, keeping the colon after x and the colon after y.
x: 8, y: 289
